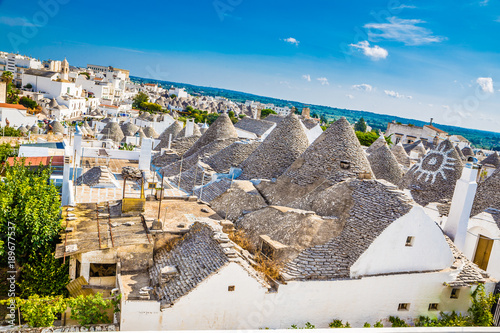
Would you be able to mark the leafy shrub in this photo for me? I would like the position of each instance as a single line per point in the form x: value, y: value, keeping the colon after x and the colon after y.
x: 44, y: 275
x: 378, y: 324
x: 397, y: 322
x: 91, y: 309
x: 39, y: 311
x: 367, y: 325
x: 337, y: 323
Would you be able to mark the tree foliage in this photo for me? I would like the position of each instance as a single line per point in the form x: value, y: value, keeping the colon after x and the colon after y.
x: 44, y: 275
x: 266, y: 112
x: 146, y: 106
x: 28, y: 102
x: 30, y: 203
x: 92, y: 309
x: 10, y: 131
x: 40, y: 311
x: 138, y: 99
x: 6, y: 151
x: 360, y: 125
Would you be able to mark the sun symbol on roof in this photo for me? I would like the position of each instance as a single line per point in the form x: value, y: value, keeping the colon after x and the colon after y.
x: 435, y: 163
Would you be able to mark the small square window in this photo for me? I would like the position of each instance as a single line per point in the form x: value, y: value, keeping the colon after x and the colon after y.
x: 404, y: 306
x: 433, y: 306
x: 454, y: 293
x: 230, y: 288
x: 409, y: 241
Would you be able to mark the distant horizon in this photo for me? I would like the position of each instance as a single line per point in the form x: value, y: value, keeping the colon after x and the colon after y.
x: 313, y: 104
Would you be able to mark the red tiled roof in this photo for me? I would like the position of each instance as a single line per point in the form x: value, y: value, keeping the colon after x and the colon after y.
x: 12, y: 106
x: 45, y: 160
x: 150, y: 84
x: 109, y: 106
x: 435, y: 129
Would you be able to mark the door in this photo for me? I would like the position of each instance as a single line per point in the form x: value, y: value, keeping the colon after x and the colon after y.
x: 483, y: 251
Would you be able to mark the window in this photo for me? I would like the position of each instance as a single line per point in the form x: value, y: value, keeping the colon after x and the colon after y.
x: 404, y: 306
x: 409, y: 241
x: 433, y: 306
x: 230, y: 288
x: 455, y: 292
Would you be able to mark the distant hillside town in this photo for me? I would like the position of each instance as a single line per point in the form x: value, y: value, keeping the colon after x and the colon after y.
x: 200, y: 213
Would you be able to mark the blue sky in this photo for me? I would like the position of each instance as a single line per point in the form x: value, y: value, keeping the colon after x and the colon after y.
x: 411, y: 58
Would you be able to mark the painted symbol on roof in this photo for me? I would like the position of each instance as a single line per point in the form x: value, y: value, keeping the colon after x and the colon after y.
x: 435, y: 163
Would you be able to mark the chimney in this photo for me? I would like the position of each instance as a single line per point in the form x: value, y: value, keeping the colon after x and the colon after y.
x: 432, y: 119
x: 145, y: 154
x: 461, y: 204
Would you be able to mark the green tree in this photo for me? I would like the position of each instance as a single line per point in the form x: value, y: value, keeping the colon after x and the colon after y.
x: 6, y: 151
x: 10, y: 131
x: 138, y: 99
x: 266, y: 112
x: 366, y: 138
x: 28, y: 102
x: 360, y: 125
x: 44, y: 275
x: 173, y: 96
x: 7, y: 77
x: 211, y: 117
x: 92, y: 309
x: 28, y: 86
x: 146, y: 106
x: 40, y: 311
x: 29, y: 210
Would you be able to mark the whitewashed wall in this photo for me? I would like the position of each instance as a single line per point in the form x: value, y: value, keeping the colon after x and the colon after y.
x: 484, y: 224
x: 389, y: 253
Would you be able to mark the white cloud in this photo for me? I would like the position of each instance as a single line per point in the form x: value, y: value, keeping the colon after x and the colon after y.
x: 375, y: 52
x: 291, y: 40
x: 484, y: 3
x: 323, y: 80
x: 486, y: 84
x: 392, y: 93
x: 402, y: 30
x: 15, y: 21
x: 350, y: 96
x: 307, y: 77
x: 363, y: 86
x: 402, y: 6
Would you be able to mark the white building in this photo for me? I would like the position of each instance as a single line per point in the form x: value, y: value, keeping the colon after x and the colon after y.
x: 17, y: 64
x: 15, y: 115
x: 179, y: 92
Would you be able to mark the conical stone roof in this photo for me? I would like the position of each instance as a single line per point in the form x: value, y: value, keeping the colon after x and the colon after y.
x: 278, y: 151
x: 232, y: 155
x: 376, y: 144
x: 53, y: 103
x: 35, y: 129
x: 462, y: 157
x: 467, y: 151
x: 401, y: 155
x: 140, y: 133
x: 196, y: 132
x: 173, y: 130
x: 488, y: 194
x: 150, y: 132
x: 113, y: 131
x: 129, y: 129
x: 221, y: 129
x: 433, y: 177
x: 88, y: 128
x: 57, y: 127
x: 385, y: 165
x: 493, y: 159
x: 334, y: 156
x: 22, y: 129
